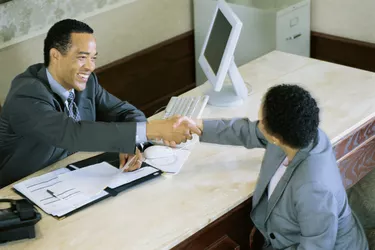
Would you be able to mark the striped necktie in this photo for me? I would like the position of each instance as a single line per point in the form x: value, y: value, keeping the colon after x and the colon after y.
x: 72, y: 107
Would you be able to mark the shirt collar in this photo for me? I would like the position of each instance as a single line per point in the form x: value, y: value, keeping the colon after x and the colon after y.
x: 57, y: 88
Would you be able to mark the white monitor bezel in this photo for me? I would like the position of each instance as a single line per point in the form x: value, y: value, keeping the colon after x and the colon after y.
x: 218, y: 80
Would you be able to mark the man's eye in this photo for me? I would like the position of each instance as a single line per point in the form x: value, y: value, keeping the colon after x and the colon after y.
x: 81, y: 57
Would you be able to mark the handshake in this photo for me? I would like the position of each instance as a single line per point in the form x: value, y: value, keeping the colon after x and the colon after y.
x: 174, y: 130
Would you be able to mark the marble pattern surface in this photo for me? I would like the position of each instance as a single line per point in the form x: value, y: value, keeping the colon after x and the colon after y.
x: 20, y: 18
x: 165, y: 211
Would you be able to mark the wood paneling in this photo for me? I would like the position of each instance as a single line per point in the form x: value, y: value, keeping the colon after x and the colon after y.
x: 355, y: 153
x: 230, y: 231
x: 224, y: 243
x: 343, y: 51
x: 149, y: 78
x: 354, y: 139
x: 359, y: 162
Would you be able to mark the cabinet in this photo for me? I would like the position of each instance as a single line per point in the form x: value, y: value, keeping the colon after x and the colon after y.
x: 267, y: 25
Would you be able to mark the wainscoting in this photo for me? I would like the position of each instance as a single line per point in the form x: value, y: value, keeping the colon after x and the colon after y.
x: 343, y: 51
x: 149, y: 78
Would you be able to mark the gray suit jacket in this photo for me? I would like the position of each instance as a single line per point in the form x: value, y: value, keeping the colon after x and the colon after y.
x: 35, y: 130
x: 308, y: 208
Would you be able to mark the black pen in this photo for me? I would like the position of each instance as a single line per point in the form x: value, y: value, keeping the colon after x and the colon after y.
x: 51, y: 193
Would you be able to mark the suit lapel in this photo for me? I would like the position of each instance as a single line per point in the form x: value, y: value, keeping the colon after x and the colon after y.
x: 272, y: 159
x: 281, y: 185
x: 42, y: 76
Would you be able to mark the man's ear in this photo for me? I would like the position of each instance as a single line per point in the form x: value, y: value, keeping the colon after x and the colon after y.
x: 54, y: 55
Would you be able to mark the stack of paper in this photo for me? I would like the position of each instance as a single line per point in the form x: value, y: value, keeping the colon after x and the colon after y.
x: 62, y: 191
x: 36, y: 190
x: 93, y: 179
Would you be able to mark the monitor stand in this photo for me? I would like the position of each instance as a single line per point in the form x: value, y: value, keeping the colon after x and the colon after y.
x: 230, y: 94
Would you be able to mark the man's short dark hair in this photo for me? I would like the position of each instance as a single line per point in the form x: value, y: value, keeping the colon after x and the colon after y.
x: 292, y: 114
x: 59, y: 36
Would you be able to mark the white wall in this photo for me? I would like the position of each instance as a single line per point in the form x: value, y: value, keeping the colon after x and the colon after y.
x: 354, y: 19
x: 143, y: 23
x: 119, y: 32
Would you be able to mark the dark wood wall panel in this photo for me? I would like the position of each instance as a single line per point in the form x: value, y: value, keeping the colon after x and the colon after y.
x: 231, y: 231
x: 148, y: 78
x: 343, y: 51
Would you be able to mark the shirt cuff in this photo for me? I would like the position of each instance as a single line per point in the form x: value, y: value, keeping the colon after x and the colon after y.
x: 140, y: 136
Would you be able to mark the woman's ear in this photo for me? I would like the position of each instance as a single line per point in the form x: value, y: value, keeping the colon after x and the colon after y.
x: 276, y: 140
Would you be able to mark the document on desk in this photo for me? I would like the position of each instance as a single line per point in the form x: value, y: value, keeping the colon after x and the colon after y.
x: 63, y: 191
x: 36, y: 188
x: 91, y: 180
x: 173, y: 164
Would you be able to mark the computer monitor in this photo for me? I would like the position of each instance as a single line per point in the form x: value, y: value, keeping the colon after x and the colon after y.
x: 217, y: 58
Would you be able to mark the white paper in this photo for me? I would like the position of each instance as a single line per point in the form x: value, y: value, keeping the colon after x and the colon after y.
x: 36, y: 190
x: 171, y: 164
x: 62, y: 191
x: 127, y: 177
x: 91, y: 179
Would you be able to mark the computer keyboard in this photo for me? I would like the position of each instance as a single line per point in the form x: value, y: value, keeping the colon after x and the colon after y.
x: 190, y: 106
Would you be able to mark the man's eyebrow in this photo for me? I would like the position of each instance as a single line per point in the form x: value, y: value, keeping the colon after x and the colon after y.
x: 86, y: 53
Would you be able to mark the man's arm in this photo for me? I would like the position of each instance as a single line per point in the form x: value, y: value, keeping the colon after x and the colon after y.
x: 111, y: 109
x: 238, y: 132
x: 35, y: 116
x: 317, y: 215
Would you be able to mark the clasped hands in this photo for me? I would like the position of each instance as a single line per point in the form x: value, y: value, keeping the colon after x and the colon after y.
x: 172, y: 131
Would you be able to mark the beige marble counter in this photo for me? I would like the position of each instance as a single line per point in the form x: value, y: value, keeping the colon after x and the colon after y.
x: 163, y: 212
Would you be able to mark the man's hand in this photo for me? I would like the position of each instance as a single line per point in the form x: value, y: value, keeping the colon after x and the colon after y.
x: 198, y: 123
x: 181, y: 120
x: 134, y: 161
x: 175, y: 129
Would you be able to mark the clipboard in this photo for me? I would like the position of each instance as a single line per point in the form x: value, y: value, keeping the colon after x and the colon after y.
x: 112, y: 159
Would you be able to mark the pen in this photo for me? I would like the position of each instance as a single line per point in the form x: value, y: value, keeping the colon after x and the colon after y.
x: 130, y: 163
x: 60, y: 199
x: 51, y: 193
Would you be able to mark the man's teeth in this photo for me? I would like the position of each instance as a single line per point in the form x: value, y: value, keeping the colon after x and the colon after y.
x: 84, y: 76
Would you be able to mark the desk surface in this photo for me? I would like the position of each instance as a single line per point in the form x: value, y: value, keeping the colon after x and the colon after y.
x: 165, y: 211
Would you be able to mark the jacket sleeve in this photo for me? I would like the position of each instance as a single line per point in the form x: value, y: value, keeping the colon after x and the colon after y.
x: 238, y: 132
x: 111, y: 109
x: 34, y: 115
x: 317, y: 215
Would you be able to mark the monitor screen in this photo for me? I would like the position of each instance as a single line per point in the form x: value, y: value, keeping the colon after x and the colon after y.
x: 217, y: 41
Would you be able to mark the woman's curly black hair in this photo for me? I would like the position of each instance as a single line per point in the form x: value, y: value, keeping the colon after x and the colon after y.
x: 291, y: 114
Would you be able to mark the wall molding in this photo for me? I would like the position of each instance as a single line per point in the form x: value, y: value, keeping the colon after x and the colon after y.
x: 343, y: 51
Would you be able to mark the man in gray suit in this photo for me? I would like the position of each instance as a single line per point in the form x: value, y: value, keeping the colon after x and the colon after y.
x: 299, y: 201
x: 57, y: 108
